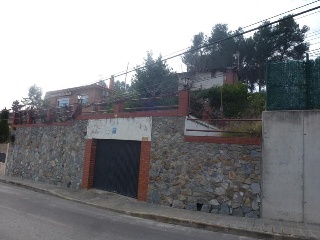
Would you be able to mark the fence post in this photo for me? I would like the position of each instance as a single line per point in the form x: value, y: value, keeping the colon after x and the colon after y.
x: 184, y: 102
x: 308, y: 83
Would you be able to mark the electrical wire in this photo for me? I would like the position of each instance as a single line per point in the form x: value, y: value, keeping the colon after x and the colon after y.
x: 314, y: 43
x: 307, y: 15
x: 281, y: 14
x: 315, y: 36
x: 313, y: 32
x: 220, y: 40
x: 313, y: 39
x: 262, y: 21
x: 317, y: 49
x: 227, y: 38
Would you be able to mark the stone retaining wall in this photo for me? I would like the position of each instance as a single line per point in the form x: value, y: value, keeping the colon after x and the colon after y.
x: 209, y: 177
x: 50, y: 154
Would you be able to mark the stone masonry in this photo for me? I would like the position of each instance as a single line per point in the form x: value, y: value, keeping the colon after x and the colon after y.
x: 208, y: 177
x: 50, y: 154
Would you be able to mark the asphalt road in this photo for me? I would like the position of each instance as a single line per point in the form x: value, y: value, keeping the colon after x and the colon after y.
x: 27, y: 215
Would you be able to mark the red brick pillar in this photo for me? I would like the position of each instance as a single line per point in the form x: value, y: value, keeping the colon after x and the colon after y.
x: 49, y: 115
x: 77, y: 110
x: 111, y: 83
x: 118, y: 107
x: 16, y: 118
x: 29, y: 117
x: 144, y: 171
x: 88, y: 165
x: 183, y: 103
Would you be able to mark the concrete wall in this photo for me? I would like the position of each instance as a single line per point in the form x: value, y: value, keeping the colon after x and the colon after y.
x: 311, y: 166
x: 136, y: 129
x: 199, y: 125
x: 291, y: 166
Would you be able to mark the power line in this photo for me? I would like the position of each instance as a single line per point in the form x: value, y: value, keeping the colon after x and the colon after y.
x: 317, y: 49
x: 220, y: 40
x: 227, y: 38
x: 256, y: 23
x: 308, y: 15
x: 313, y: 37
x: 281, y: 14
x: 314, y: 43
x: 310, y: 34
x: 317, y: 54
x: 316, y: 38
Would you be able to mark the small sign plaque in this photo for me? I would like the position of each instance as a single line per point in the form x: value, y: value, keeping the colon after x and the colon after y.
x: 114, y: 130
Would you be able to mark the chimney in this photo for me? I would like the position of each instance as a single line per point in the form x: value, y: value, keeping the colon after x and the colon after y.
x: 111, y: 83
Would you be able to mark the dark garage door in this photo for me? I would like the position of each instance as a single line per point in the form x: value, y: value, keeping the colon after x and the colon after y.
x: 117, y: 166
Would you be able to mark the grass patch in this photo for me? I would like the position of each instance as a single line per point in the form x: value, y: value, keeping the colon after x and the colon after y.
x: 243, y: 129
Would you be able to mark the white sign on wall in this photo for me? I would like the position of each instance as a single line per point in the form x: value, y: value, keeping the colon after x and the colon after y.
x: 136, y: 129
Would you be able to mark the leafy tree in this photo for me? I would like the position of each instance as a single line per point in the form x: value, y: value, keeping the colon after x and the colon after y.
x: 102, y: 83
x: 34, y: 99
x: 4, y: 125
x: 289, y: 40
x: 258, y: 50
x: 15, y: 107
x: 121, y: 87
x: 248, y: 71
x: 233, y: 104
x: 217, y: 55
x: 282, y: 41
x: 222, y: 53
x: 155, y: 79
x: 196, y: 59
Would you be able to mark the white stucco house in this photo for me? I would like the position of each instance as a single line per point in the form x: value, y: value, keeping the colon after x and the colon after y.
x: 207, y: 79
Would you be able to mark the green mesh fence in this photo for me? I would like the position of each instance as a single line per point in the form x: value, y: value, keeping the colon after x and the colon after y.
x: 315, y: 84
x: 293, y: 85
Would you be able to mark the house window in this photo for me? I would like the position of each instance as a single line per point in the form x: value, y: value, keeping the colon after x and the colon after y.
x: 62, y: 102
x: 83, y: 99
x: 105, y: 93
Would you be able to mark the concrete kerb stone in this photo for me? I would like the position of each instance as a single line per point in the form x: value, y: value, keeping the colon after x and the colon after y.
x: 166, y: 219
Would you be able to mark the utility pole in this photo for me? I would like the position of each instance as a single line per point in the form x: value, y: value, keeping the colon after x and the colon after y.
x: 236, y: 56
x: 125, y: 80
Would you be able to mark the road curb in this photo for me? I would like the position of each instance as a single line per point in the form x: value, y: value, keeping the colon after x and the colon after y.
x: 166, y: 219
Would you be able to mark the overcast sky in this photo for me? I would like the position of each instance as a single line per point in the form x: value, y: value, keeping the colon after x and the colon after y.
x: 58, y: 44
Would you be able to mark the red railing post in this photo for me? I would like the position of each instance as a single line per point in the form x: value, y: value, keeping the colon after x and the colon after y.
x: 184, y: 103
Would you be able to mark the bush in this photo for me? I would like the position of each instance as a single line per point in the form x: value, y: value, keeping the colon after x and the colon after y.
x: 233, y: 104
x: 252, y: 129
x: 234, y: 100
x: 256, y: 104
x: 236, y: 103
